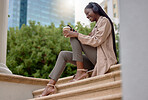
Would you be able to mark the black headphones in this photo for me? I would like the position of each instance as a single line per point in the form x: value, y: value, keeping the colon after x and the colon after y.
x: 95, y: 8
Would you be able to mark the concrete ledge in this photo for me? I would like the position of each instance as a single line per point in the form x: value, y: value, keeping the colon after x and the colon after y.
x: 64, y: 80
x: 22, y: 79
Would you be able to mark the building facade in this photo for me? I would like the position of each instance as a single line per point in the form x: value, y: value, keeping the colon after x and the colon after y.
x: 13, y: 11
x: 111, y: 8
x: 43, y: 11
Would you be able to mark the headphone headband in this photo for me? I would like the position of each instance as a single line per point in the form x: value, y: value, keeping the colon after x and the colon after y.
x: 92, y: 3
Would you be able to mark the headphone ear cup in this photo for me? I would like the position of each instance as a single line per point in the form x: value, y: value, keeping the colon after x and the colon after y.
x: 95, y: 8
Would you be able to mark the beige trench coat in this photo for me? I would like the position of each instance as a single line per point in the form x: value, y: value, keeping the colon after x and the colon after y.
x: 101, y: 37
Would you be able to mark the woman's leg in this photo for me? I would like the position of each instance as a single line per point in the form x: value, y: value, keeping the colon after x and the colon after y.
x: 67, y: 57
x: 77, y: 56
x: 63, y: 58
x: 90, y: 52
x: 77, y: 49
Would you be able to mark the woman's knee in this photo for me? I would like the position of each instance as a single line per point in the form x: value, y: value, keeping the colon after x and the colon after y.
x: 66, y: 55
x: 63, y: 54
x: 75, y: 42
x: 73, y: 39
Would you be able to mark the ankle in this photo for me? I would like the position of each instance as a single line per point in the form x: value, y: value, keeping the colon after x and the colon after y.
x: 79, y: 72
x: 52, y: 82
x: 82, y: 70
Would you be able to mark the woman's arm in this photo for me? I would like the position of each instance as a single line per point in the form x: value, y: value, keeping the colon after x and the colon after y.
x: 100, y: 36
x: 70, y: 33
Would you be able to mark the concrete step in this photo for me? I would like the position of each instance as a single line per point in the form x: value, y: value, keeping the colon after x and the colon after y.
x: 117, y: 96
x: 101, y: 79
x: 67, y: 79
x: 114, y: 68
x: 96, y: 90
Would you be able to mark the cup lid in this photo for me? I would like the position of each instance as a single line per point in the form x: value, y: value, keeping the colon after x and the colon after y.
x: 66, y: 27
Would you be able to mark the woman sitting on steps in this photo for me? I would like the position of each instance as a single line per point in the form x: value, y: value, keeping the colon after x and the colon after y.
x: 99, y: 49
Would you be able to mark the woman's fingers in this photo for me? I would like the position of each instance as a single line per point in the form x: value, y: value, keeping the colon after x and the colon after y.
x: 65, y: 33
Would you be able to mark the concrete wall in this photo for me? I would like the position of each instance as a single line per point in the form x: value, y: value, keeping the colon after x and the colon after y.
x: 17, y: 91
x: 134, y: 48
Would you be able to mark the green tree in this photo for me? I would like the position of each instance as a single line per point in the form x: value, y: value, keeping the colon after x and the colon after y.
x: 117, y: 39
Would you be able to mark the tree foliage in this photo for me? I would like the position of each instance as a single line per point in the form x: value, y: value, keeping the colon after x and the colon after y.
x: 117, y: 40
x: 32, y: 50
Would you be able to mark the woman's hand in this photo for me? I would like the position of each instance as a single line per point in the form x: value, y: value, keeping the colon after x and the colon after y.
x: 70, y: 33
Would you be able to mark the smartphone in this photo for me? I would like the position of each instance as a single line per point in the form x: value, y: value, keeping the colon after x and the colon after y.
x: 71, y: 29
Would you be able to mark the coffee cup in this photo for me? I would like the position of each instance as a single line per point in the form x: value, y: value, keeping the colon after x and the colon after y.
x: 66, y: 28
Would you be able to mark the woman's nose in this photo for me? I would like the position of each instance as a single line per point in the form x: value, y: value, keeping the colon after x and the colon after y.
x: 87, y: 16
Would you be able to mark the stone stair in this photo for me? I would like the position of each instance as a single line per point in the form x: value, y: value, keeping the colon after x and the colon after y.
x: 102, y: 87
x: 117, y: 96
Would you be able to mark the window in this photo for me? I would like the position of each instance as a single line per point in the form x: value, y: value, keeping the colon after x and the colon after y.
x: 114, y: 5
x: 114, y: 14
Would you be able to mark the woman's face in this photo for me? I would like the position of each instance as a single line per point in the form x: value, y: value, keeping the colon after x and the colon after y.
x: 90, y: 14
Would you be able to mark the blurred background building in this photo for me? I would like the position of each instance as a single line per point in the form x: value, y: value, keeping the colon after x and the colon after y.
x: 43, y: 11
x: 48, y: 11
x: 112, y: 9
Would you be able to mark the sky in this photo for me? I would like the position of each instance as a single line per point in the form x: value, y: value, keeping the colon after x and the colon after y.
x: 79, y: 10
